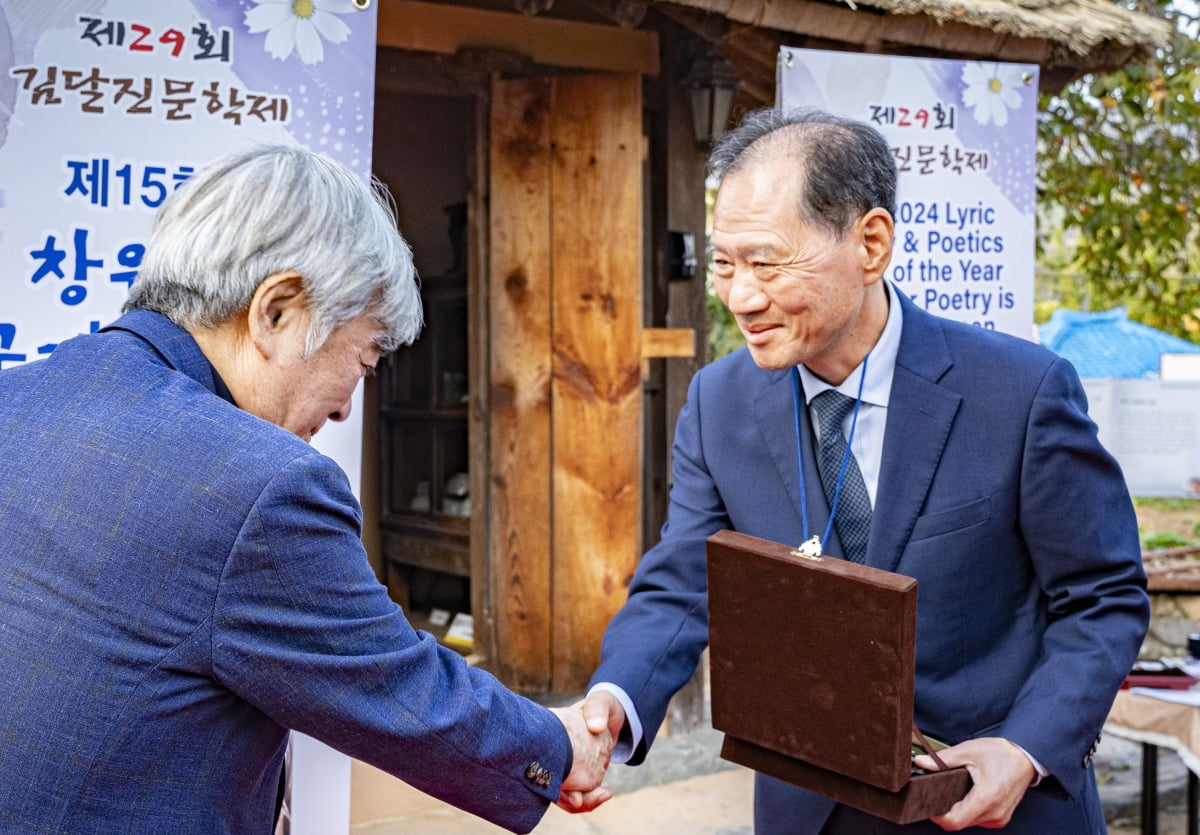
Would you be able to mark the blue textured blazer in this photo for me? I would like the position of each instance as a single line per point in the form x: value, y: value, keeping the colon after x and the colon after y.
x: 181, y: 583
x: 994, y: 493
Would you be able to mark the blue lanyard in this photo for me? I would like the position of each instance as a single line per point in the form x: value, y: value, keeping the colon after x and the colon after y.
x: 797, y: 404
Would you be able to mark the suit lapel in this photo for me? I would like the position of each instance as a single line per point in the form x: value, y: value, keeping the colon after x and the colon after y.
x: 920, y: 414
x: 776, y: 415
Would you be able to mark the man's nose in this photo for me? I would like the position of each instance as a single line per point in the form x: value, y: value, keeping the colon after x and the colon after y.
x: 342, y: 412
x: 745, y: 294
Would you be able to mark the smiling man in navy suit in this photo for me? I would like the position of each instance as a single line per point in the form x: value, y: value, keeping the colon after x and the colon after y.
x: 977, y: 469
x: 181, y: 575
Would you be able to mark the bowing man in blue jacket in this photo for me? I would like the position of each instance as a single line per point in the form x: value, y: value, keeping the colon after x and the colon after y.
x: 984, y: 476
x: 181, y: 575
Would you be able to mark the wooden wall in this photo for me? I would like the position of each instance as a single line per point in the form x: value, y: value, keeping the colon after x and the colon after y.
x: 575, y: 181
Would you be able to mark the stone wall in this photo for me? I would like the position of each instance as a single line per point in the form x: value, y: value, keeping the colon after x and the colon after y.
x: 1173, y: 615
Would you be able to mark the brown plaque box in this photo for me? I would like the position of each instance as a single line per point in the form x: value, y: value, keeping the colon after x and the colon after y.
x: 812, y: 664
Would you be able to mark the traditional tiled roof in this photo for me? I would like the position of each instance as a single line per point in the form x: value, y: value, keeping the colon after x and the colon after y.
x: 1109, y: 344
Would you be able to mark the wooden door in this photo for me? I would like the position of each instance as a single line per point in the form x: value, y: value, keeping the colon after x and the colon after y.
x: 565, y: 315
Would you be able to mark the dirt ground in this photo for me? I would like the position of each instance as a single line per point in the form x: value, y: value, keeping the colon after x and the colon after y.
x: 1171, y: 821
x: 1181, y: 518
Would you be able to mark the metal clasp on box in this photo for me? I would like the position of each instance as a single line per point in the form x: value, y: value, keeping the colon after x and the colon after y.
x: 810, y: 550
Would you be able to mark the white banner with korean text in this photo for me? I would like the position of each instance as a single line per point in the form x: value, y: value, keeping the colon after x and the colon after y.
x: 964, y: 136
x: 106, y: 106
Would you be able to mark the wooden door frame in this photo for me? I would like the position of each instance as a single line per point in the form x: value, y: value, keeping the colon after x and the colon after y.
x: 467, y: 75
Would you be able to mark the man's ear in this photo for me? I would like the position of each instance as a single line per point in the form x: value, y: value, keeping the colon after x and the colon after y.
x: 877, y: 232
x: 277, y: 308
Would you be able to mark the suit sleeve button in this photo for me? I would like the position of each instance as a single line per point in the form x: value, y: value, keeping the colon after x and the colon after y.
x: 534, y: 769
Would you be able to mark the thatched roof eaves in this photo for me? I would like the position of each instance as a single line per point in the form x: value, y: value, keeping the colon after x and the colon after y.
x: 1065, y: 37
x: 1079, y: 25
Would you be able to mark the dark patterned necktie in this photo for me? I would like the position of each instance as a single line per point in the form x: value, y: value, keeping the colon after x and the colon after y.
x: 853, y: 516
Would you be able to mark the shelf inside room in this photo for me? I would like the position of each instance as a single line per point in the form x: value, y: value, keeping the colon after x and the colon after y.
x: 425, y: 514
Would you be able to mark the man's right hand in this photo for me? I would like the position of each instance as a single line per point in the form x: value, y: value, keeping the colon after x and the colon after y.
x: 601, y: 710
x: 591, y: 746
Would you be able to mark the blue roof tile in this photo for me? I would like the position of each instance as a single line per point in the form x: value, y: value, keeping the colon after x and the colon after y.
x: 1108, y: 344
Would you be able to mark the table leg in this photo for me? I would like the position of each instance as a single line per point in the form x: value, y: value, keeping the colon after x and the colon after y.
x: 1149, y: 789
x: 1193, y: 792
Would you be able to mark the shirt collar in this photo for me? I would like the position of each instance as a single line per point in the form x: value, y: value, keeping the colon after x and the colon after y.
x: 219, y: 386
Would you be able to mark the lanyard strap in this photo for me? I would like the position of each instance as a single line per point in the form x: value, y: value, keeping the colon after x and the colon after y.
x: 797, y: 403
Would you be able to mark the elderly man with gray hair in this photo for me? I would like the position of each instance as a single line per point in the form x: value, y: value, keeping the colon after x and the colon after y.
x: 181, y: 573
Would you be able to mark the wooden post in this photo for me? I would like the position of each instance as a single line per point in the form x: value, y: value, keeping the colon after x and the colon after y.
x: 596, y: 397
x: 519, y: 392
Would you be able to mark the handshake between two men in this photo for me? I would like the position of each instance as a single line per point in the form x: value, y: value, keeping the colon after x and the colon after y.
x: 593, y: 724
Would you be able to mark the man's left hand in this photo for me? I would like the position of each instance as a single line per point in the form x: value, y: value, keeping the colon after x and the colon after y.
x: 1001, y: 773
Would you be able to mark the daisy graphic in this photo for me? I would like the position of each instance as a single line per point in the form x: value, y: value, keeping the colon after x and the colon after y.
x: 299, y: 25
x: 991, y: 93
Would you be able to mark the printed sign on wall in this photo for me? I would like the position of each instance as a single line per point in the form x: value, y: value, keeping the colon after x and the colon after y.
x: 964, y: 136
x: 1152, y: 427
x: 108, y: 105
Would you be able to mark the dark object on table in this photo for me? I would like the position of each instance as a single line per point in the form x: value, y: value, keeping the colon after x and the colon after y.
x: 1158, y: 674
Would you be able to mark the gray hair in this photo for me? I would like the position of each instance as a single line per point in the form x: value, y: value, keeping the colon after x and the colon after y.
x: 272, y: 208
x: 846, y: 168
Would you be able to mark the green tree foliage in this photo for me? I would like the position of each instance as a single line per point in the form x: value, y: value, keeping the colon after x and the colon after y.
x: 724, y: 336
x: 1118, y: 177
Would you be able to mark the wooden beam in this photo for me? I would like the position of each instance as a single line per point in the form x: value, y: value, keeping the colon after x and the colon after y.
x: 397, y: 71
x: 668, y: 342
x: 446, y: 29
x: 959, y: 39
x: 798, y: 21
x: 478, y: 364
x: 628, y: 14
x: 863, y: 26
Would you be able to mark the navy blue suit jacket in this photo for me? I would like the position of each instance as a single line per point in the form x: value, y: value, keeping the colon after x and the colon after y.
x: 994, y: 493
x: 181, y: 583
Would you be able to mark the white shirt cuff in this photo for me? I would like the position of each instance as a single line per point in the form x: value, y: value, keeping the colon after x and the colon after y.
x: 624, y: 748
x: 1042, y: 771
